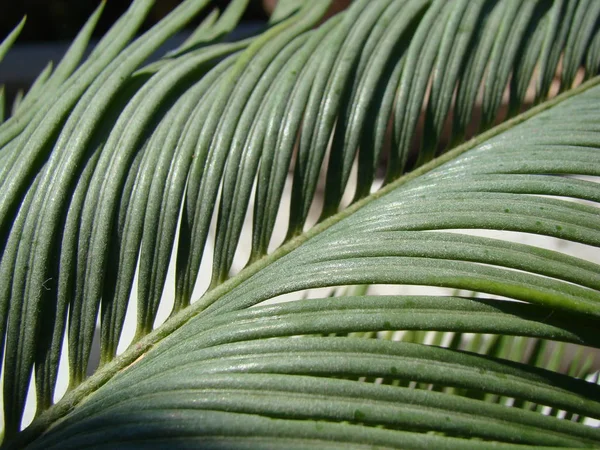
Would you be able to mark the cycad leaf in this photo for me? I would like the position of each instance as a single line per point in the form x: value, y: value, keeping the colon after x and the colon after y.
x: 223, y: 366
x: 107, y: 159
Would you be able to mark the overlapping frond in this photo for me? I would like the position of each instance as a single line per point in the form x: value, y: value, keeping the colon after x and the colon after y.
x: 108, y: 165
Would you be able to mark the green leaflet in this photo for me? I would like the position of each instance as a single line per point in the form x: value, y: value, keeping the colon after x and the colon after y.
x: 2, y: 103
x: 9, y: 40
x: 213, y: 28
x: 109, y: 167
x: 207, y: 169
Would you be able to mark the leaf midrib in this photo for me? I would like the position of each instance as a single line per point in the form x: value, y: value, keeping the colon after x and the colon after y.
x: 137, y: 350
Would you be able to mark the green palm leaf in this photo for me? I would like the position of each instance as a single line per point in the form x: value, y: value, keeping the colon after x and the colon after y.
x: 109, y: 167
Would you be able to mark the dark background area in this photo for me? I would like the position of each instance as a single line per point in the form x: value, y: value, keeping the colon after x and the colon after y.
x: 51, y: 25
x: 60, y: 20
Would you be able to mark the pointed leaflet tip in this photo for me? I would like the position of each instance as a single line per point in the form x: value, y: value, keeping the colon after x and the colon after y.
x: 11, y: 38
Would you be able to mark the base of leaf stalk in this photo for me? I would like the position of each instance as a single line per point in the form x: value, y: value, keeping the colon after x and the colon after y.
x: 136, y: 351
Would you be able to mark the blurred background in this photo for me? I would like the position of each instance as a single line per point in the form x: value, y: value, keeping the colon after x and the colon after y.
x: 60, y: 20
x: 52, y: 24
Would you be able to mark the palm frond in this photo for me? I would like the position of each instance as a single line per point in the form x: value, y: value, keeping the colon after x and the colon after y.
x: 109, y: 166
x: 230, y: 358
